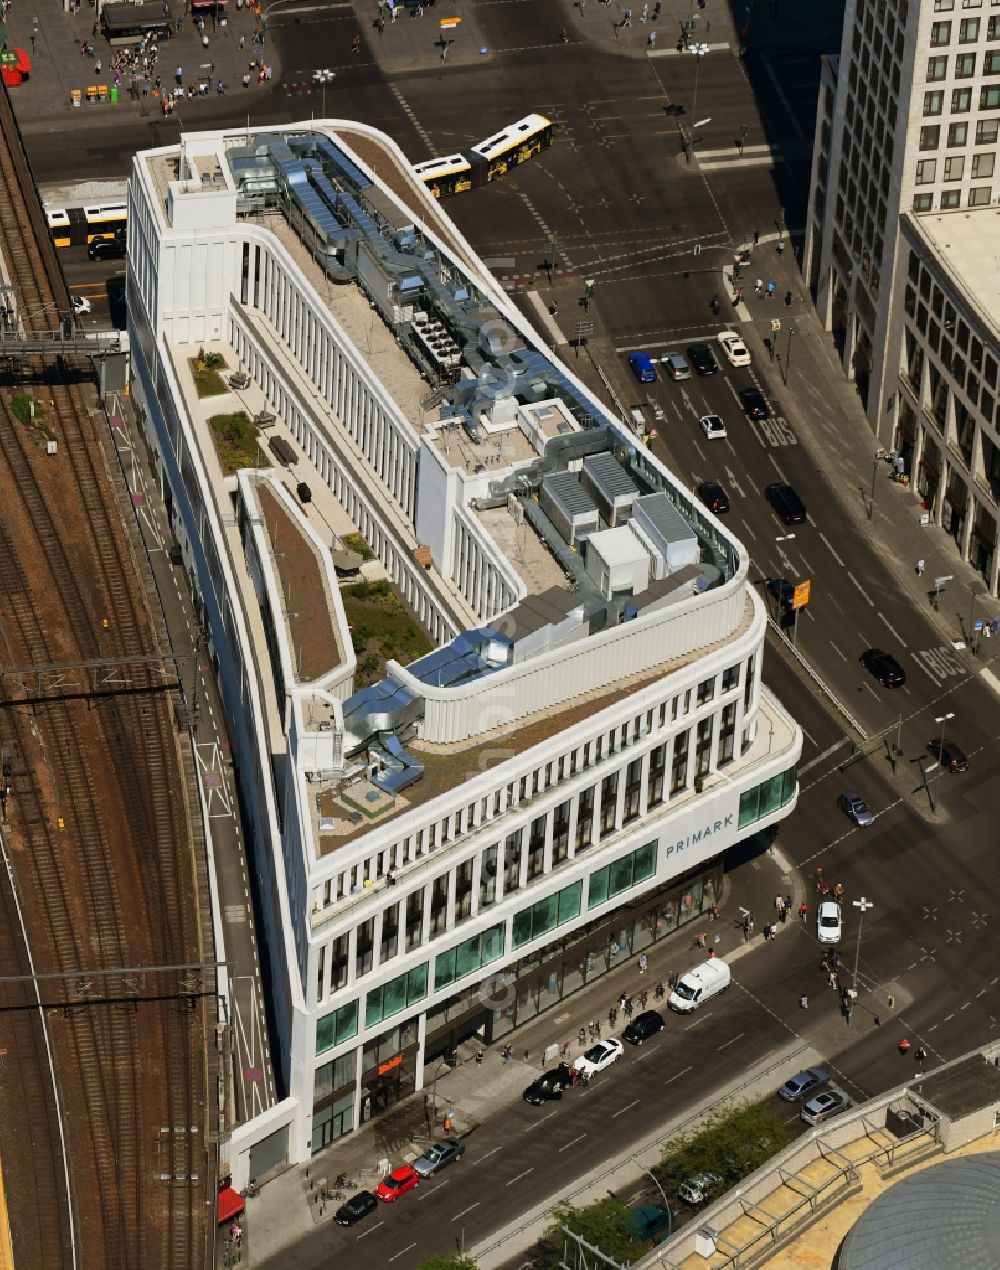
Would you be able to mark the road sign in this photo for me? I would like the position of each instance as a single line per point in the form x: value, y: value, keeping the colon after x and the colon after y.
x: 775, y: 325
x: 449, y: 24
x: 945, y: 577
x: 800, y: 596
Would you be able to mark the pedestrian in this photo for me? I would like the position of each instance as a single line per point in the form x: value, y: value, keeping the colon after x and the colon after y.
x: 767, y: 932
x: 838, y: 891
x: 179, y: 75
x: 628, y: 1007
x: 621, y: 1001
x: 444, y: 50
x: 243, y: 41
x: 921, y: 1054
x: 803, y: 1002
x: 659, y: 990
x: 788, y: 299
x: 920, y: 568
x: 246, y: 79
x: 645, y: 13
x: 780, y: 247
x: 651, y: 40
x: 356, y: 44
x: 479, y: 1058
x: 504, y: 1055
x: 643, y: 962
x: 97, y: 67
x: 788, y: 904
x: 758, y: 286
x: 834, y: 978
x: 702, y: 940
x: 626, y: 17
x: 904, y: 1046
x: 713, y: 912
x: 803, y: 911
x: 612, y: 1017
x: 779, y: 904
x: 770, y: 290
x: 756, y: 237
x: 643, y: 998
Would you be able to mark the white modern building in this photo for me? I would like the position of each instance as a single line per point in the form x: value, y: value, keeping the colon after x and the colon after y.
x: 445, y: 844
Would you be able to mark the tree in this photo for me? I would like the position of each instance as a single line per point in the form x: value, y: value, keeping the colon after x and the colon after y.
x: 600, y: 1224
x: 447, y: 1261
x: 731, y: 1145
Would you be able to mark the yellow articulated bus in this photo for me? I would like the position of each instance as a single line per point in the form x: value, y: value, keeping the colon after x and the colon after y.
x: 487, y: 160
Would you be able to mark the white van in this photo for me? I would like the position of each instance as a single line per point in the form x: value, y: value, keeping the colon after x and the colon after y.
x: 694, y: 988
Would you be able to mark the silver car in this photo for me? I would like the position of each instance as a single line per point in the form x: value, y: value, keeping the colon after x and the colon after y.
x: 438, y: 1156
x: 854, y: 806
x: 829, y: 1103
x: 697, y: 1189
x: 676, y: 365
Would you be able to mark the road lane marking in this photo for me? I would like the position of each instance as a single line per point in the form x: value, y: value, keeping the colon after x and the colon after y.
x: 538, y: 1122
x: 837, y: 650
x: 465, y: 1210
x: 519, y: 1176
x: 781, y: 476
x: 487, y: 1155
x: 700, y: 1019
x: 573, y: 1143
x: 892, y: 628
x: 733, y: 1040
x: 826, y: 543
x: 858, y: 585
x: 365, y: 1233
x: 677, y: 1075
x: 831, y: 749
x: 423, y: 1191
x: 402, y: 1253
x: 622, y: 1110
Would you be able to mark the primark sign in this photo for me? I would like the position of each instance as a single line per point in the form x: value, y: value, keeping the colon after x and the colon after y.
x: 705, y: 836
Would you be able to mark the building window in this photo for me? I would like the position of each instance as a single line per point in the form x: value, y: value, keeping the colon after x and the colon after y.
x: 398, y: 994
x: 560, y: 833
x: 982, y: 165
x: 958, y: 134
x: 987, y: 131
x: 926, y: 171
x: 679, y: 767
x: 923, y: 202
x: 585, y: 820
x: 961, y: 101
x: 979, y: 196
x: 727, y: 735
x: 954, y: 167
x: 633, y: 790
x: 965, y: 65
x: 968, y: 31
x: 627, y: 872
x: 930, y: 136
x: 933, y: 102
x: 730, y: 678
x: 414, y: 919
x: 706, y: 691
x: 937, y: 68
x: 657, y: 770
x: 363, y: 959
x: 536, y: 847
x: 439, y: 905
x: 390, y: 934
x: 993, y: 28
x: 703, y: 752
x: 943, y: 6
x: 512, y: 861
x: 554, y: 910
x: 989, y: 98
x: 469, y: 956
x: 991, y: 62
x: 950, y: 199
x: 764, y: 799
x: 463, y: 891
x: 488, y: 877
x: 335, y: 1028
x: 940, y: 34
x: 609, y: 804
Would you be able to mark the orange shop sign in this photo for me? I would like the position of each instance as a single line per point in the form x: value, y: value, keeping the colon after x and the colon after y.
x: 387, y: 1067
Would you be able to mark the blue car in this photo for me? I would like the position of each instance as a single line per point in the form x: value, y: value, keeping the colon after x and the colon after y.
x: 642, y: 367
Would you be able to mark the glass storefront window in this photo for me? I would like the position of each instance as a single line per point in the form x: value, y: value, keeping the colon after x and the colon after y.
x: 336, y: 1027
x: 614, y: 878
x: 766, y: 798
x: 645, y: 862
x: 569, y: 902
x: 399, y: 993
x: 468, y: 957
x: 531, y: 923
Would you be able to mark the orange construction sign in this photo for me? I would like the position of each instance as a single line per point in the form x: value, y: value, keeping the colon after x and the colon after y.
x: 449, y: 24
x: 800, y: 596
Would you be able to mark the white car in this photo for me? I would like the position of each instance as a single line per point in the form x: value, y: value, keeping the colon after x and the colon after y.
x: 828, y: 922
x: 713, y: 427
x: 80, y: 304
x: 734, y: 348
x: 599, y: 1056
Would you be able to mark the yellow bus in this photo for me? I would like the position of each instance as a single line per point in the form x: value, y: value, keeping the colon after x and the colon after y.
x: 445, y: 176
x: 489, y: 159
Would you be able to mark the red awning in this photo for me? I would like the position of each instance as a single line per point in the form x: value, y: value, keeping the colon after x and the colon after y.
x: 230, y: 1204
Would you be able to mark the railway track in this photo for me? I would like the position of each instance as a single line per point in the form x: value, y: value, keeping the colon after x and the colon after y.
x: 100, y: 837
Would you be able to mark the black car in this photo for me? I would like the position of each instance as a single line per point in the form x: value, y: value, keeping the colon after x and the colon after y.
x: 884, y: 667
x: 642, y: 1027
x: 949, y: 755
x: 547, y: 1088
x: 753, y: 403
x: 790, y: 508
x: 702, y: 359
x: 714, y: 497
x: 106, y: 249
x: 782, y: 590
x: 357, y: 1206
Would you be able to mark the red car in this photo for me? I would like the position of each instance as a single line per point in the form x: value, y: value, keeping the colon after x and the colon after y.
x: 397, y: 1183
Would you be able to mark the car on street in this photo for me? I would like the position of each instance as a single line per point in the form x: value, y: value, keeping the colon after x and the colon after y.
x: 80, y: 304
x: 713, y: 427
x: 734, y: 348
x: 714, y: 497
x: 355, y: 1208
x: 701, y: 358
x: 828, y: 922
x: 884, y: 667
x: 642, y: 1027
x: 641, y: 365
x: 855, y: 807
x: 397, y: 1183
x: 949, y: 755
x: 107, y: 248
x: 825, y: 1105
x: 753, y: 403
x: 697, y: 1189
x: 676, y: 365
x: 548, y: 1087
x: 781, y: 590
x: 438, y: 1156
x: 790, y: 509
x: 598, y: 1057
x: 802, y: 1083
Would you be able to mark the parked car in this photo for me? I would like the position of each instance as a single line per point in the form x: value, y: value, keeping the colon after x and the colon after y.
x: 642, y: 367
x: 107, y: 248
x: 714, y: 497
x: 713, y: 427
x: 548, y: 1087
x: 734, y: 348
x: 828, y: 922
x: 949, y: 755
x: 80, y: 303
x: 599, y: 1056
x: 791, y: 510
x: 884, y: 667
x: 753, y: 403
x: 854, y: 806
x: 647, y: 1222
x: 642, y: 1027
x: 355, y: 1208
x: 802, y: 1083
x: 438, y: 1156
x: 676, y: 364
x: 701, y: 358
x: 825, y: 1105
x: 699, y: 1188
x: 397, y: 1183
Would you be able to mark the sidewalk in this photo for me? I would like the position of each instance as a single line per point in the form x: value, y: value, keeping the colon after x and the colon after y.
x: 292, y: 1202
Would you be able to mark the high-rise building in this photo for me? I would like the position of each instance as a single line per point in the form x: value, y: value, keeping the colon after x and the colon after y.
x: 345, y: 411
x: 906, y: 128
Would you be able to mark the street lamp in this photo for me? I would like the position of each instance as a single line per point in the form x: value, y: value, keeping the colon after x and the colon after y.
x: 943, y: 720
x: 323, y: 78
x: 871, y: 500
x: 699, y: 51
x: 862, y: 906
x: 666, y: 1202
